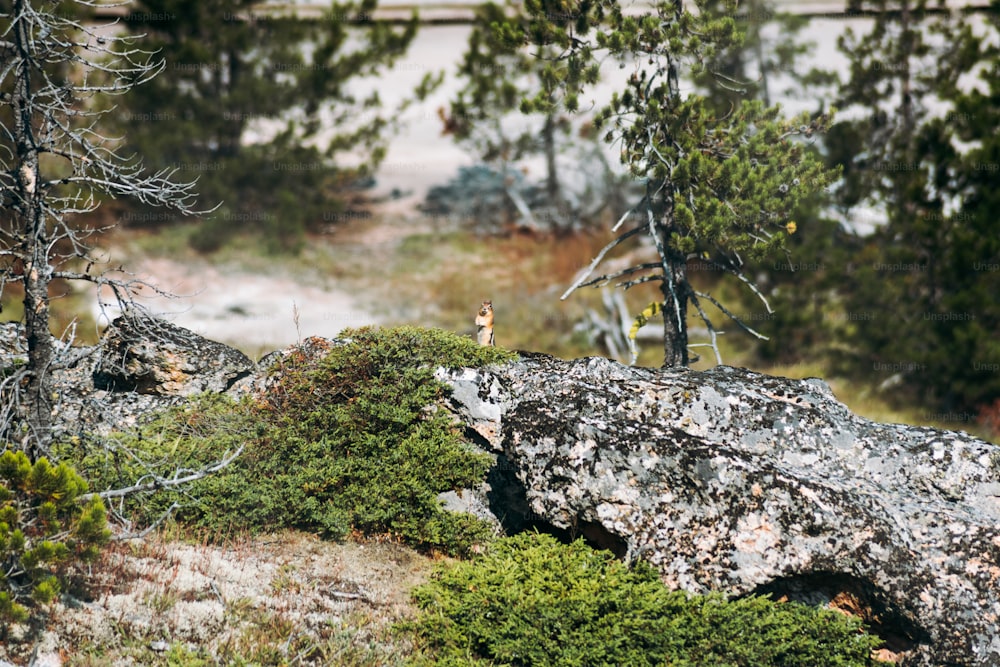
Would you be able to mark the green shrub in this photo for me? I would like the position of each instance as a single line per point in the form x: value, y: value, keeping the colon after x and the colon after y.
x: 45, y: 530
x: 533, y: 601
x: 342, y: 441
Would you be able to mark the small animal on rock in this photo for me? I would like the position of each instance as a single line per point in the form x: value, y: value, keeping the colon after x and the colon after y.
x: 484, y: 322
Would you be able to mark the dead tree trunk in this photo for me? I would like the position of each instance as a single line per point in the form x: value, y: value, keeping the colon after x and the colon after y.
x: 38, y: 399
x: 53, y: 163
x: 37, y: 402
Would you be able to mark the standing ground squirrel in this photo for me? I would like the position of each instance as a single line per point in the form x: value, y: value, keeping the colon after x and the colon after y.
x: 484, y: 320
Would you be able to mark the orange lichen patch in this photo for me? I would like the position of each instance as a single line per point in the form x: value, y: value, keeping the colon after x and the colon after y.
x: 885, y: 655
x: 172, y: 374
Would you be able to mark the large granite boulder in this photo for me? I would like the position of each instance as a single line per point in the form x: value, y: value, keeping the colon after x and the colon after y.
x: 732, y: 481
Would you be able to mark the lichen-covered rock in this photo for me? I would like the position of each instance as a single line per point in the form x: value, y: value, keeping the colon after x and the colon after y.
x: 13, y: 346
x: 738, y: 482
x: 147, y: 355
x: 80, y: 408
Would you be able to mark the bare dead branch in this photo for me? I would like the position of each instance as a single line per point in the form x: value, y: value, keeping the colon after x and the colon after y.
x: 181, y: 477
x: 597, y: 260
x: 608, y: 277
x: 750, y: 330
x: 52, y: 69
x: 711, y: 329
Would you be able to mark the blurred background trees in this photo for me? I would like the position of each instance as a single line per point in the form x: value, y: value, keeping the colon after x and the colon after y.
x: 888, y: 279
x: 261, y: 108
x: 513, y: 112
x: 894, y: 286
x: 915, y: 156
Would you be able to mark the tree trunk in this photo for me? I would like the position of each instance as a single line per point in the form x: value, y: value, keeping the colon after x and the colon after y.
x: 34, y: 239
x: 39, y: 401
x: 675, y: 338
x: 551, y: 172
x: 674, y: 286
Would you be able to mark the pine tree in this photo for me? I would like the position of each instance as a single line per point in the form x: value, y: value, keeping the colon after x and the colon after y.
x: 754, y: 66
x: 511, y: 105
x: 719, y: 186
x: 970, y: 349
x: 771, y: 61
x: 260, y: 108
x: 46, y: 531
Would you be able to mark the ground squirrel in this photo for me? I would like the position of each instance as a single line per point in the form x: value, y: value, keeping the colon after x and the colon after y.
x: 484, y: 322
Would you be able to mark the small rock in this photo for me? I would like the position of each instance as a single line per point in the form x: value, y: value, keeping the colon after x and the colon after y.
x: 147, y: 355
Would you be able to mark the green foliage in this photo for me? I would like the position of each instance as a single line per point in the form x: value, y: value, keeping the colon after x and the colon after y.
x: 342, y: 441
x: 922, y: 285
x: 720, y: 185
x: 892, y: 273
x: 512, y: 105
x: 259, y: 107
x: 533, y: 601
x: 771, y: 51
x: 46, y: 529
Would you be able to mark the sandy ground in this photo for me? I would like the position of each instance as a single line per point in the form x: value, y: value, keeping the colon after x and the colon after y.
x: 255, y: 311
x: 276, y: 593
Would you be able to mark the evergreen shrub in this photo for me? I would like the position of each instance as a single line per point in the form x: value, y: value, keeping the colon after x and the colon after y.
x: 534, y: 601
x: 46, y: 530
x: 342, y: 440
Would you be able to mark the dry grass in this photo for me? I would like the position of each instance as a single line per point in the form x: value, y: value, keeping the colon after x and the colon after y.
x: 277, y: 600
x: 439, y: 280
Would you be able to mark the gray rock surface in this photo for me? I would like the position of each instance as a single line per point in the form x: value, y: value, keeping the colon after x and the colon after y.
x: 140, y: 366
x: 146, y: 355
x: 733, y: 481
